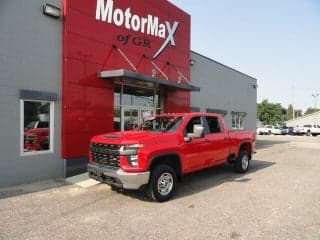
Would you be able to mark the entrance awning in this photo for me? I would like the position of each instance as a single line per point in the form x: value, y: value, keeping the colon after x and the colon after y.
x: 129, y: 75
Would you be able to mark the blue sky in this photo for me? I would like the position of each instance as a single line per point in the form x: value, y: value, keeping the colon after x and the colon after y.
x: 277, y: 42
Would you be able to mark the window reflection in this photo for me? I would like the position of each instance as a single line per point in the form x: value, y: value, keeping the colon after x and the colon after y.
x: 137, y: 96
x: 36, y: 126
x: 238, y: 119
x: 133, y: 104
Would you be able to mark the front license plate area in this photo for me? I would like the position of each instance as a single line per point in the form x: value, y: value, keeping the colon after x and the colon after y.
x: 96, y: 171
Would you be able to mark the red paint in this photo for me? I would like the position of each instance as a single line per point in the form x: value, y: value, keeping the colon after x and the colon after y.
x: 36, y: 139
x: 163, y: 147
x: 87, y: 101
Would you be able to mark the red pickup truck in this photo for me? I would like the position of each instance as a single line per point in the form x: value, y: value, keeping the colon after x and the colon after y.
x: 165, y: 148
x: 36, y: 136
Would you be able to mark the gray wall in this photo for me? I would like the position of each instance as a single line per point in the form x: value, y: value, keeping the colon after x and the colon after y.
x: 222, y: 87
x: 30, y: 59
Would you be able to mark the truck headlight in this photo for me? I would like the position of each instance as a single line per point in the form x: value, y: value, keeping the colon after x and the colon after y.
x: 132, y: 160
x: 130, y: 149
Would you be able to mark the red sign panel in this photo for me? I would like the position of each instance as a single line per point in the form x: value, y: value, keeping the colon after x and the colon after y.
x: 149, y: 37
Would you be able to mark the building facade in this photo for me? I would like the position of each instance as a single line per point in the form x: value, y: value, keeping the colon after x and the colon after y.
x: 224, y: 90
x: 310, y: 119
x: 71, y: 69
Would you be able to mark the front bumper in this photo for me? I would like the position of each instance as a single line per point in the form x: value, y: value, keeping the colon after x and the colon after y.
x: 118, y: 177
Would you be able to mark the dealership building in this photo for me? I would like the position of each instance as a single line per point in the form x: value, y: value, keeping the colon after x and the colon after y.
x: 71, y: 69
x: 309, y: 119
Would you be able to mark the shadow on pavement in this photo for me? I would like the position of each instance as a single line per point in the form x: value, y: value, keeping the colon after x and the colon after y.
x: 191, y: 184
x: 263, y: 143
x: 208, y: 178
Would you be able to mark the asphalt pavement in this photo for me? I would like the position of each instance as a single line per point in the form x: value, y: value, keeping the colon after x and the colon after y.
x: 279, y: 198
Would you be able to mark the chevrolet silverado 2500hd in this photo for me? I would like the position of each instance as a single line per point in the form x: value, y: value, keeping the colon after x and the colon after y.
x: 165, y: 148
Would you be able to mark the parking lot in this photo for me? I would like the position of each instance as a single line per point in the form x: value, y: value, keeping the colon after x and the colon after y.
x: 279, y: 198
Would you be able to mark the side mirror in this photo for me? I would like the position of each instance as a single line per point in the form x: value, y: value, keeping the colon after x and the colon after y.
x: 198, y: 131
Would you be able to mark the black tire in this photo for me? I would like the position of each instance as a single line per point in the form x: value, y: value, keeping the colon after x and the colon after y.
x: 308, y: 133
x: 162, y: 191
x: 114, y: 188
x: 242, y: 163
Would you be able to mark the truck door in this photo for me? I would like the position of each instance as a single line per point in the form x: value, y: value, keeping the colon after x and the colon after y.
x: 195, y: 151
x: 218, y: 140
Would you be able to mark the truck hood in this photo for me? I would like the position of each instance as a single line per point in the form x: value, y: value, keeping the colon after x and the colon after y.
x: 36, y: 131
x: 125, y: 137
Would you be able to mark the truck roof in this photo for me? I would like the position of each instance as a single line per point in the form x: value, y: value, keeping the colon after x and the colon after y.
x: 192, y: 114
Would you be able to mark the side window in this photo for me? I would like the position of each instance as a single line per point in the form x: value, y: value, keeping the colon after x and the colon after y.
x: 36, y: 126
x: 191, y: 123
x: 214, y: 125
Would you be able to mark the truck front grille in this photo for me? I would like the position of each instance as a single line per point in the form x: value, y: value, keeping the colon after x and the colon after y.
x: 105, y: 154
x: 29, y: 138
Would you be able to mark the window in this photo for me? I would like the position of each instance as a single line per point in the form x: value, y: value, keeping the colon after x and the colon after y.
x: 36, y: 126
x: 213, y: 124
x: 189, y: 128
x: 162, y: 124
x: 238, y: 120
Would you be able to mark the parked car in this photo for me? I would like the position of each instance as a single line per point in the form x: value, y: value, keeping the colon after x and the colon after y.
x: 164, y: 148
x: 269, y: 129
x: 285, y: 130
x: 277, y: 130
x: 297, y: 130
x: 310, y: 129
x: 288, y: 130
x: 261, y: 130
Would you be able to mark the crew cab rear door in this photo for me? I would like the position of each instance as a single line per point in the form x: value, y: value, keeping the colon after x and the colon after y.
x: 218, y: 139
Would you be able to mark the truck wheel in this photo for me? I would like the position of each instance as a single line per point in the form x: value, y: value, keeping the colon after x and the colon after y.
x: 242, y: 162
x: 308, y: 133
x: 162, y: 183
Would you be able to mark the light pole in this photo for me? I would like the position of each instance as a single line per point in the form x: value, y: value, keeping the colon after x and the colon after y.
x: 315, y: 95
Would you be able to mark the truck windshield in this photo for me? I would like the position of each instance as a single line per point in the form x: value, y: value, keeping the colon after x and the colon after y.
x: 161, y: 124
x: 31, y: 125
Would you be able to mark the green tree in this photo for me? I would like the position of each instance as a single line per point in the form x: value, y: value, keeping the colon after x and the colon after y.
x: 311, y: 110
x: 290, y: 112
x: 270, y: 113
x: 289, y: 115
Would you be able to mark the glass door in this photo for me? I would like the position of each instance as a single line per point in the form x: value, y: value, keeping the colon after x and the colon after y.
x: 145, y: 113
x: 132, y: 117
x: 134, y: 104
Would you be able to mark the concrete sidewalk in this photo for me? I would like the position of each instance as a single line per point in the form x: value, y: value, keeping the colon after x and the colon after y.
x: 82, y: 180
